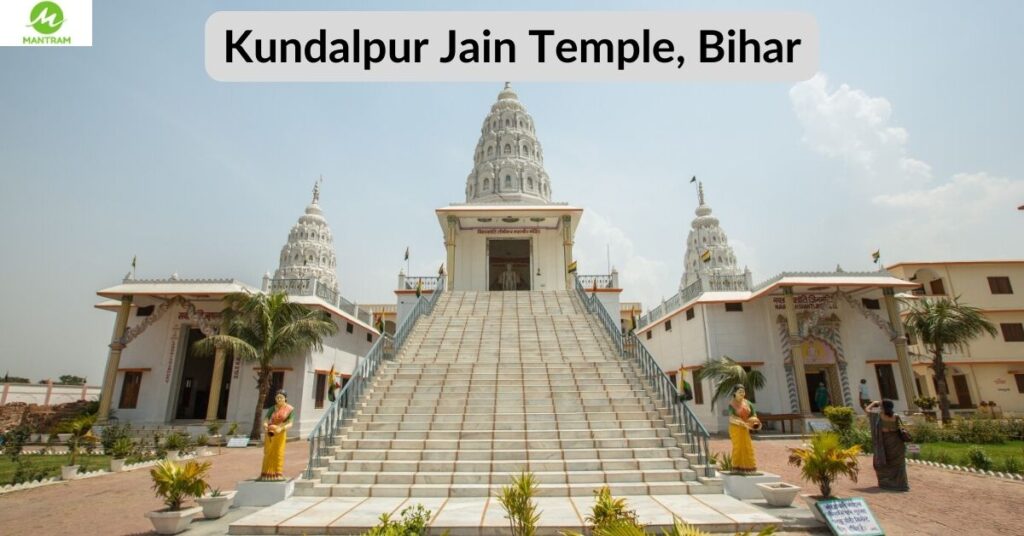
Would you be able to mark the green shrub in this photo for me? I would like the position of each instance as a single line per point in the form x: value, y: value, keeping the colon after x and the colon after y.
x: 520, y: 508
x: 841, y: 418
x: 178, y: 442
x: 413, y: 523
x: 1011, y: 464
x: 112, y: 433
x: 122, y: 449
x: 977, y: 458
x: 926, y: 403
x: 14, y: 441
x: 943, y: 457
x: 608, y: 510
x: 926, y: 432
x: 858, y: 436
x: 725, y: 462
x: 978, y: 431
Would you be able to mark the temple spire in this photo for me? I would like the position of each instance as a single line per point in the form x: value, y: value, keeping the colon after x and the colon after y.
x: 316, y: 190
x: 700, y: 193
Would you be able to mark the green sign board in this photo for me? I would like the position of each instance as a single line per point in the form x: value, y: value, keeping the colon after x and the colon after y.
x: 849, y: 517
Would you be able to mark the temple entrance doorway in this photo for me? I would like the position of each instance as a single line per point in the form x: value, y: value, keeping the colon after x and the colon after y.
x: 829, y: 376
x: 508, y: 264
x: 193, y: 393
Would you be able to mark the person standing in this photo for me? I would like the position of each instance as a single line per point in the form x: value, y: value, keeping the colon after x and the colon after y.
x: 889, y: 461
x: 821, y: 397
x: 865, y: 397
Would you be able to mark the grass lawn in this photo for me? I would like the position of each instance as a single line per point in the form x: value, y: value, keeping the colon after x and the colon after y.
x: 51, y: 464
x: 957, y: 452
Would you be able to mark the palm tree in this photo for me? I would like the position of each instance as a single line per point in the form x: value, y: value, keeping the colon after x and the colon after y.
x: 945, y: 324
x: 263, y: 328
x: 727, y: 375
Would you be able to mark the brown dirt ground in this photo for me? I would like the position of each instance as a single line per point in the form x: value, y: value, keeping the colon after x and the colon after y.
x: 116, y: 504
x: 939, y: 501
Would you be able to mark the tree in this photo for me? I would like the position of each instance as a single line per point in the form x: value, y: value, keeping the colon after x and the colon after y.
x: 13, y: 379
x: 727, y: 374
x: 941, y: 325
x: 264, y: 328
x: 68, y: 379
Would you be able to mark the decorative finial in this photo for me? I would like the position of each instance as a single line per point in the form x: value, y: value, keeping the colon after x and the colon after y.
x: 508, y: 85
x: 316, y: 190
x: 700, y: 192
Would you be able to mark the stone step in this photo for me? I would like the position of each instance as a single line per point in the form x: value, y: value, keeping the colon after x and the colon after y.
x: 490, y: 490
x: 504, y: 444
x: 609, y: 433
x: 505, y: 455
x: 505, y: 477
x: 512, y: 466
x: 505, y: 426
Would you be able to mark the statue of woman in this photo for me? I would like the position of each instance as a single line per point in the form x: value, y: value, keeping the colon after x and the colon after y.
x: 275, y: 433
x: 742, y: 419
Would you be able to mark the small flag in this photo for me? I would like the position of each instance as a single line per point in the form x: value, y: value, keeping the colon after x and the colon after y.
x: 632, y: 320
x: 406, y: 253
x: 572, y: 267
x: 440, y: 271
x: 693, y: 180
x: 134, y: 257
x: 419, y: 288
x: 706, y: 256
x: 332, y: 385
x: 379, y: 325
x: 876, y: 255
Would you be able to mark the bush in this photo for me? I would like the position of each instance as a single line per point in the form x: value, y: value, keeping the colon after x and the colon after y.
x: 122, y: 449
x: 926, y: 432
x: 520, y: 508
x: 841, y: 418
x: 413, y: 523
x: 14, y: 441
x: 608, y: 510
x: 857, y: 436
x: 1011, y: 464
x: 178, y: 442
x: 112, y: 433
x: 979, y: 431
x: 943, y: 457
x: 977, y: 458
x: 926, y: 403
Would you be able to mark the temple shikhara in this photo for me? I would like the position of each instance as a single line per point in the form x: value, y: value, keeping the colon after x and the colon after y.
x: 513, y: 358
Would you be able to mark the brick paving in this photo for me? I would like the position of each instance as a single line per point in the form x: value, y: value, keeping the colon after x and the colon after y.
x: 939, y: 501
x: 116, y: 504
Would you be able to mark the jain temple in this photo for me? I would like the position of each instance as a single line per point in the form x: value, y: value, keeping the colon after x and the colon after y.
x: 513, y: 360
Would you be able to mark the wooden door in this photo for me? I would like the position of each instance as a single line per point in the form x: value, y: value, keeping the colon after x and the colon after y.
x: 963, y: 394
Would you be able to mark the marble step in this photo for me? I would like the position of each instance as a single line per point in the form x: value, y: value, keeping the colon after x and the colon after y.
x: 490, y: 490
x: 505, y: 477
x: 504, y: 444
x: 605, y: 433
x: 505, y: 455
x: 513, y: 466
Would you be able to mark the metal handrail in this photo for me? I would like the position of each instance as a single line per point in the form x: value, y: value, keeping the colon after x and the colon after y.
x: 629, y: 346
x: 346, y: 403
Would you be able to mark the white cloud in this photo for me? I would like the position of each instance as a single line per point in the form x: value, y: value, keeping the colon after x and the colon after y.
x: 642, y: 277
x: 853, y: 126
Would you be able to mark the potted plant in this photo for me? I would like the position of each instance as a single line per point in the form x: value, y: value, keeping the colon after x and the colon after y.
x: 80, y: 433
x: 178, y: 445
x: 927, y: 405
x: 217, y: 503
x: 822, y: 463
x: 203, y: 441
x: 175, y: 483
x: 122, y: 448
x: 233, y: 429
x: 214, y: 430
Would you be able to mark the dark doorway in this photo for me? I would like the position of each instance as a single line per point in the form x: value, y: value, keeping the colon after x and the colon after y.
x: 813, y: 380
x: 276, y: 384
x: 963, y: 394
x: 194, y: 388
x: 508, y: 264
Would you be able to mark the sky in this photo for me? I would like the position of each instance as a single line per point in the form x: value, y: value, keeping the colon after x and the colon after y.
x: 907, y: 141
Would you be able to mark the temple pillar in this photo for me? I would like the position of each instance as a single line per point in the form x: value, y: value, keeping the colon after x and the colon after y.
x: 215, y: 384
x: 114, y: 358
x: 900, y: 342
x: 449, y: 244
x: 567, y: 245
x: 796, y: 353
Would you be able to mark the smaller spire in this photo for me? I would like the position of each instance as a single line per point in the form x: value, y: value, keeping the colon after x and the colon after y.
x: 700, y: 192
x: 316, y: 190
x: 508, y: 85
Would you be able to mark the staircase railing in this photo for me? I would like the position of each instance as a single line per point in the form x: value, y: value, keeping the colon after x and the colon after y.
x: 629, y: 346
x: 324, y: 434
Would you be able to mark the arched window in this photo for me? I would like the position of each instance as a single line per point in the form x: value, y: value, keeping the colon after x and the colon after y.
x: 508, y: 149
x: 526, y: 150
x: 487, y: 184
x: 529, y: 183
x: 490, y: 151
x: 508, y: 181
x: 506, y: 123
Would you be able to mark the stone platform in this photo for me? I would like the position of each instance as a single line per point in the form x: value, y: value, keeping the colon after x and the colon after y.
x: 473, y: 516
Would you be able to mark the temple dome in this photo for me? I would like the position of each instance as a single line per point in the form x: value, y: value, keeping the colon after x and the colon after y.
x: 709, y: 255
x: 508, y: 165
x: 309, y: 252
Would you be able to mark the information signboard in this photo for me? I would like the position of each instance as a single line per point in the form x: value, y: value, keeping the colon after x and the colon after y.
x: 849, y: 517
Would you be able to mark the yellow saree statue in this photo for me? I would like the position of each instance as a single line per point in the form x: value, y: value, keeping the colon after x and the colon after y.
x: 275, y: 433
x: 742, y: 419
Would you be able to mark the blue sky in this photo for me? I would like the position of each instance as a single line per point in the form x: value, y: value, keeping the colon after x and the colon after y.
x: 908, y: 140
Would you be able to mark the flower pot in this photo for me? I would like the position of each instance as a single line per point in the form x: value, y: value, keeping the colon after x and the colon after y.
x: 168, y: 522
x: 779, y: 493
x: 811, y: 501
x: 174, y: 456
x: 116, y: 465
x: 215, y: 507
x: 36, y: 438
x: 68, y: 472
x: 63, y: 438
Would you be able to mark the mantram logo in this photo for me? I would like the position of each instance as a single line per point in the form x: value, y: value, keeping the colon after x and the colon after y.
x: 46, y: 17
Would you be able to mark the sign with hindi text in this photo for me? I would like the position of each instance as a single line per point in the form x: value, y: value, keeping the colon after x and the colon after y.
x: 849, y: 517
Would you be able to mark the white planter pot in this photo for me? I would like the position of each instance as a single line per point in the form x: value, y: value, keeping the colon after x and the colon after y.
x: 36, y: 438
x: 63, y: 438
x: 811, y: 500
x: 116, y: 466
x: 779, y: 493
x: 216, y: 507
x: 68, y: 472
x: 165, y: 522
x: 173, y: 456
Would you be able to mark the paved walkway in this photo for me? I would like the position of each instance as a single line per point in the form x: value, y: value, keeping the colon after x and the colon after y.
x: 939, y: 501
x: 116, y: 504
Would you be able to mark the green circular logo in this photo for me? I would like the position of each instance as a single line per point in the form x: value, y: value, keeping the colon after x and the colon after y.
x: 46, y: 17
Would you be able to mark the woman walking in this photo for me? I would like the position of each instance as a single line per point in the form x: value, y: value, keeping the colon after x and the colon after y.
x: 890, y: 450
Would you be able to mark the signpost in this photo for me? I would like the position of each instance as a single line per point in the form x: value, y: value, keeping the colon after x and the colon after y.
x: 849, y: 517
x: 238, y: 442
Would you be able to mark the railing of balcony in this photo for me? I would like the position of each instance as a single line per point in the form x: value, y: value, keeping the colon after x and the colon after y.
x: 325, y: 434
x: 600, y: 281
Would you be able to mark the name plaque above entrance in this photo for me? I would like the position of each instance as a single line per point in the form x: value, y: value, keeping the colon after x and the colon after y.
x: 507, y: 231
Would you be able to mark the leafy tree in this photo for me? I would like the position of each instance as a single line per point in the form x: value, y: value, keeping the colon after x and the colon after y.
x: 69, y: 379
x: 727, y: 374
x: 264, y: 328
x: 941, y: 325
x: 14, y: 379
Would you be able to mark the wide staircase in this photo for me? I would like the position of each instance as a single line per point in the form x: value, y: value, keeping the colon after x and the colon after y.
x: 492, y: 384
